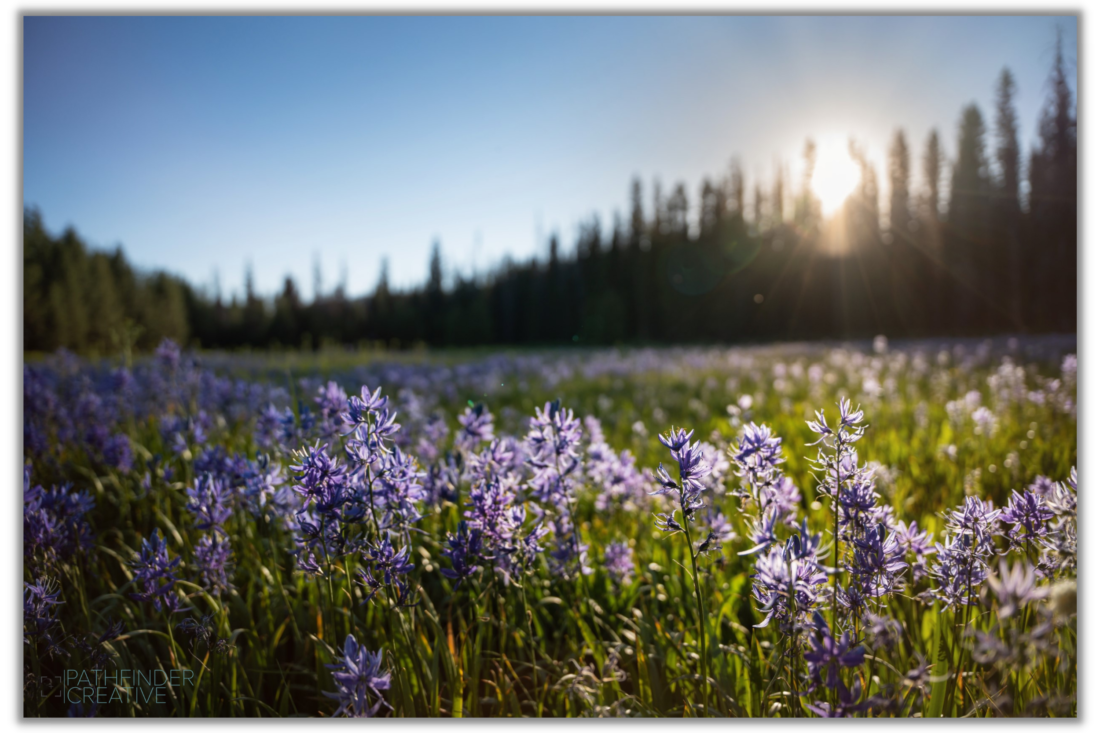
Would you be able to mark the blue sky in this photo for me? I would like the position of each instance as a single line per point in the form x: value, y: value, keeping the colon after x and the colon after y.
x: 203, y: 144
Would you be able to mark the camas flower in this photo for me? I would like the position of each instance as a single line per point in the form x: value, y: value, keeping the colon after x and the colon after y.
x: 331, y: 400
x: 619, y: 561
x: 882, y: 632
x: 569, y: 554
x: 829, y: 654
x: 785, y: 583
x: 388, y: 560
x: 151, y: 566
x: 959, y: 568
x: 54, y: 524
x: 689, y: 459
x: 464, y: 550
x: 359, y: 680
x: 757, y: 449
x: 477, y: 428
x: 668, y: 523
x: 977, y: 520
x: 693, y: 469
x: 717, y: 524
x: 1014, y: 588
x: 762, y: 532
x: 820, y: 426
x: 857, y: 499
x: 320, y: 479
x: 40, y: 601
x: 1042, y: 485
x: 848, y: 429
x: 1028, y: 514
x: 554, y: 432
x: 877, y: 562
x: 552, y: 442
x: 850, y: 417
x: 209, y: 502
x: 117, y: 453
x: 917, y: 543
x: 676, y: 439
x: 367, y: 407
x: 168, y: 354
x: 398, y: 490
x: 848, y: 702
x: 212, y: 558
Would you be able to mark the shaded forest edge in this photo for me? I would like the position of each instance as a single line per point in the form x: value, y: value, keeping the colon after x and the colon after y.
x: 975, y: 257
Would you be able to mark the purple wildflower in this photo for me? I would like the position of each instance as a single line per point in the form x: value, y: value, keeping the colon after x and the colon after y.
x: 321, y: 479
x: 331, y: 400
x: 848, y: 429
x: 1028, y: 514
x: 977, y: 520
x: 959, y: 568
x: 848, y: 702
x: 152, y: 565
x: 619, y: 561
x: 432, y: 438
x: 117, y: 453
x: 359, y: 680
x: 918, y: 544
x: 367, y: 406
x: 878, y: 560
x: 1042, y: 485
x: 667, y: 522
x: 212, y: 559
x: 477, y: 428
x: 464, y: 552
x: 1014, y: 588
x: 390, y: 561
x: 758, y: 447
x: 209, y: 502
x: 785, y: 584
x: 717, y: 524
x: 829, y: 654
x: 689, y: 459
x: 882, y: 632
x: 569, y: 553
x: 40, y: 601
x: 54, y: 524
x: 168, y: 354
x: 398, y: 490
x: 762, y: 532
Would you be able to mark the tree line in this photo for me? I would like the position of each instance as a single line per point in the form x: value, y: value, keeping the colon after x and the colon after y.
x: 973, y: 256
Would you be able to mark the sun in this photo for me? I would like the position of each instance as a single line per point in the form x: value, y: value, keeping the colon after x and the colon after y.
x: 835, y: 176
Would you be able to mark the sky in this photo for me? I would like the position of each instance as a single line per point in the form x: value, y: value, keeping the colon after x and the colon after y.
x: 204, y: 146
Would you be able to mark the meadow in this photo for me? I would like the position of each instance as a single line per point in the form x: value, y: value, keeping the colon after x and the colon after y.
x: 792, y: 530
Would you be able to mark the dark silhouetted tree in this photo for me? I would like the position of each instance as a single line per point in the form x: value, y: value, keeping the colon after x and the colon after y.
x: 1008, y: 219
x: 968, y: 216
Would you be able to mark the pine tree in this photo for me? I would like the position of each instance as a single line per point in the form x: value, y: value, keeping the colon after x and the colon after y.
x: 381, y: 313
x: 933, y: 173
x: 1053, y: 202
x: 900, y: 213
x: 437, y: 315
x: 969, y: 220
x: 1008, y: 221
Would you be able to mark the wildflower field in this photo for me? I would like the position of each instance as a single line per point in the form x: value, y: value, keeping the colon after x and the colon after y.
x: 865, y: 529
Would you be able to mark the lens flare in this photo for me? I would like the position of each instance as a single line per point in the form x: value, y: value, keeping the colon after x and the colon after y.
x: 835, y: 177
